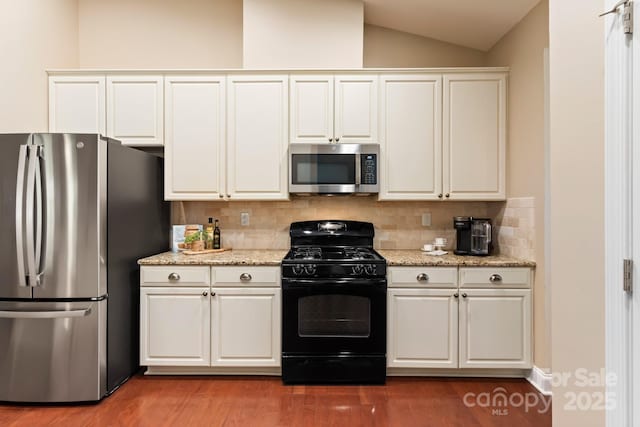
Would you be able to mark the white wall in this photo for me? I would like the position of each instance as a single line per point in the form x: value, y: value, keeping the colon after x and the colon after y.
x: 34, y: 35
x: 303, y: 33
x: 384, y: 47
x: 160, y: 34
x: 576, y: 45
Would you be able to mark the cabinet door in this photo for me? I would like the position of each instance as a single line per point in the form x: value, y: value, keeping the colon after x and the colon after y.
x: 474, y: 136
x: 135, y: 110
x: 422, y: 328
x: 257, y: 137
x: 195, y: 130
x: 174, y: 326
x: 410, y: 140
x: 311, y: 103
x: 77, y: 104
x: 495, y: 328
x: 356, y: 109
x: 245, y: 327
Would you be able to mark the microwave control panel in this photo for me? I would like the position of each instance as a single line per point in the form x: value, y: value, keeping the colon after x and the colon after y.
x: 369, y: 169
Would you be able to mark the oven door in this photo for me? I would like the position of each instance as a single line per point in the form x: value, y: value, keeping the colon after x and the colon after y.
x: 334, y: 316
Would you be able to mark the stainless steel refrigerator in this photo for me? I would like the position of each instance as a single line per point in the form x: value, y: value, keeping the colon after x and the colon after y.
x: 76, y: 213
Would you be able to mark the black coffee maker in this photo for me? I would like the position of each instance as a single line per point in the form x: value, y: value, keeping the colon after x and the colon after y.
x: 473, y: 236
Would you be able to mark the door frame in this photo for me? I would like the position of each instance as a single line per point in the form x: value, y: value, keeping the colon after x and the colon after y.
x: 621, y: 236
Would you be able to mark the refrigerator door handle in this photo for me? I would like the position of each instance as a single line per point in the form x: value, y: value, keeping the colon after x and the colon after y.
x: 39, y: 210
x: 22, y: 161
x: 30, y: 213
x: 52, y: 314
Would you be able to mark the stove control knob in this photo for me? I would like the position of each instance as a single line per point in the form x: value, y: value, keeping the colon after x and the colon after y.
x: 310, y: 269
x: 357, y: 269
x: 370, y: 269
x: 297, y: 269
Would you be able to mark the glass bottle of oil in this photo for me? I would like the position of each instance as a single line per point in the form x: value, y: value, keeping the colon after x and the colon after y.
x: 217, y: 242
x: 209, y: 235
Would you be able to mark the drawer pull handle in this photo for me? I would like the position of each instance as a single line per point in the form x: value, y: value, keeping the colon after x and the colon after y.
x: 495, y: 278
x: 205, y: 293
x: 245, y: 277
x: 422, y: 277
x: 174, y: 276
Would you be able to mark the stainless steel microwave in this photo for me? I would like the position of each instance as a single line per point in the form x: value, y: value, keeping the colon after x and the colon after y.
x: 333, y: 168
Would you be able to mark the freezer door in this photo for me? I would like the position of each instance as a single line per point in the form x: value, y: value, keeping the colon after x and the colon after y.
x: 73, y: 264
x: 52, y: 352
x: 12, y: 171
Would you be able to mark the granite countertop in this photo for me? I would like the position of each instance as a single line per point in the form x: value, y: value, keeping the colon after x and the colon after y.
x: 417, y: 257
x: 273, y: 257
x: 233, y: 257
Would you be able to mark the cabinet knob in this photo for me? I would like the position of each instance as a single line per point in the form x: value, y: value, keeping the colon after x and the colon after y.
x: 464, y: 295
x: 440, y: 196
x: 174, y: 276
x: 330, y: 139
x: 422, y: 277
x: 446, y: 195
x: 337, y: 139
x: 228, y: 196
x: 213, y: 294
x: 455, y: 295
x: 245, y: 277
x: 205, y: 293
x: 495, y: 278
x: 221, y: 196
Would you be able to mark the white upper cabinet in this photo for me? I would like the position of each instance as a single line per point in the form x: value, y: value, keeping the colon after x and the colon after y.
x: 257, y: 137
x: 474, y: 136
x: 135, y: 109
x: 77, y: 104
x: 194, y: 137
x: 410, y: 137
x: 329, y: 109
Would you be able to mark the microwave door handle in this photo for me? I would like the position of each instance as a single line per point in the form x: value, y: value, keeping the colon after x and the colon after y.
x: 30, y: 213
x: 22, y: 161
x: 358, y: 169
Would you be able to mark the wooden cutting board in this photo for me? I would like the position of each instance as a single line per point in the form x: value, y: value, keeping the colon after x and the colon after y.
x: 206, y: 251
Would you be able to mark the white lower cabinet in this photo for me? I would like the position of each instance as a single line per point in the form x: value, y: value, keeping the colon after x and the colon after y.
x: 422, y: 328
x: 245, y: 326
x: 185, y: 322
x: 174, y: 326
x: 495, y: 328
x: 431, y: 323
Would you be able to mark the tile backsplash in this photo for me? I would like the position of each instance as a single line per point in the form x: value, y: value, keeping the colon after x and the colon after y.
x: 515, y: 228
x: 398, y: 225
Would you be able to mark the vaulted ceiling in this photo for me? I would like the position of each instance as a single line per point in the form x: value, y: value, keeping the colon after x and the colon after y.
x: 477, y: 24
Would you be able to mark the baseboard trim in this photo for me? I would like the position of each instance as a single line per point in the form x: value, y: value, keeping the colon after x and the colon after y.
x: 540, y: 380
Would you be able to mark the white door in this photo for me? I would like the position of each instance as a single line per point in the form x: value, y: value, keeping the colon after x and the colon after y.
x: 77, y: 104
x: 495, y: 328
x: 622, y: 219
x: 174, y: 326
x: 245, y: 327
x: 474, y: 136
x: 422, y: 328
x: 194, y: 157
x: 257, y: 137
x: 135, y: 109
x: 356, y: 109
x: 410, y: 137
x: 311, y: 108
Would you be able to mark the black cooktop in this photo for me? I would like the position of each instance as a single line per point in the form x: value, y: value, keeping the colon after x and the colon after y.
x: 314, y: 253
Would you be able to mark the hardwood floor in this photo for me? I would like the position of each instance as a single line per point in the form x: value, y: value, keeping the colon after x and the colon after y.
x: 264, y: 401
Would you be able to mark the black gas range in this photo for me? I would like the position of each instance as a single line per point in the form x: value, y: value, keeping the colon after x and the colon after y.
x: 333, y: 305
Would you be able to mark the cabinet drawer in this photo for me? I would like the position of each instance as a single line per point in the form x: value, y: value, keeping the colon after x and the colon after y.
x: 175, y: 276
x: 434, y: 277
x: 488, y: 277
x: 250, y: 276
